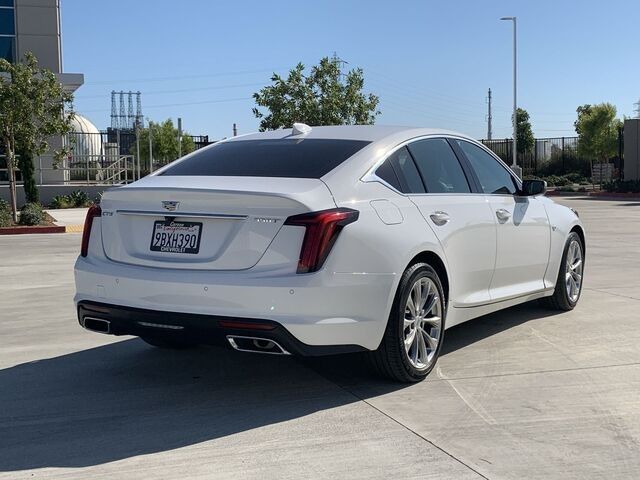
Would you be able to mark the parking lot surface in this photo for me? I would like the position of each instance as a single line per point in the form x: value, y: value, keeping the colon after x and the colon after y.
x: 524, y: 393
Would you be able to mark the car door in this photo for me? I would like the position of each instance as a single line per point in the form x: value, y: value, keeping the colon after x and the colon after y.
x: 460, y: 220
x: 522, y: 226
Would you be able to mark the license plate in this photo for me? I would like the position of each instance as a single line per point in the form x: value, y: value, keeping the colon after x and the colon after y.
x: 176, y: 237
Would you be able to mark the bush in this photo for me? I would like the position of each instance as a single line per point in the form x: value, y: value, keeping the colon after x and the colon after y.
x: 5, y: 214
x: 31, y: 214
x: 61, y: 201
x: 565, y: 188
x: 80, y: 199
x: 75, y: 199
x: 622, y: 186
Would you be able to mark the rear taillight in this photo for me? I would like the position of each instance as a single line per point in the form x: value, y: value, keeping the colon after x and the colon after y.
x: 94, y: 211
x: 322, y: 230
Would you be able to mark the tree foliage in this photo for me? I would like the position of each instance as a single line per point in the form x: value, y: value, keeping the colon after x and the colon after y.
x: 597, y: 129
x: 525, y: 138
x: 32, y: 109
x: 164, y: 139
x: 324, y: 96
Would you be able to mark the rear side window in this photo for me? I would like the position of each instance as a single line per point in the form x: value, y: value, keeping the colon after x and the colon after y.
x: 289, y: 158
x: 407, y: 176
x: 439, y: 166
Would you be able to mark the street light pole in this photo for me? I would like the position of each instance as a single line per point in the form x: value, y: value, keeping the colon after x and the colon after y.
x: 514, y: 166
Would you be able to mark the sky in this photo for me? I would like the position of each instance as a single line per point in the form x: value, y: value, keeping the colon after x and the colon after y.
x: 430, y: 62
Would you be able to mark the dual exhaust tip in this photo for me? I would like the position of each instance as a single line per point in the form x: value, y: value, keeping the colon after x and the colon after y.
x: 238, y: 342
x: 256, y: 345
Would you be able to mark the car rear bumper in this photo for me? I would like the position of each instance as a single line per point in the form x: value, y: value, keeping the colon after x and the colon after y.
x: 323, y: 309
x: 201, y: 329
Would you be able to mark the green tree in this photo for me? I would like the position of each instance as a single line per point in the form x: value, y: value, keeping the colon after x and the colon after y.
x: 164, y: 139
x: 597, y: 129
x: 323, y: 97
x: 32, y: 109
x: 525, y: 133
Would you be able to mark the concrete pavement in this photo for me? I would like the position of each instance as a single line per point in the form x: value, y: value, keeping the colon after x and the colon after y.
x: 525, y: 393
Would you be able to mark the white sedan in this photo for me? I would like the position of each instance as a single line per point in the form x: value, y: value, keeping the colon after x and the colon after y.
x: 325, y: 240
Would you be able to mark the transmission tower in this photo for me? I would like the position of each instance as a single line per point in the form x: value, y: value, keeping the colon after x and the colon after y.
x: 489, y: 118
x: 130, y: 116
x: 336, y: 60
x: 123, y: 115
x: 139, y: 117
x: 114, y: 111
x: 637, y: 104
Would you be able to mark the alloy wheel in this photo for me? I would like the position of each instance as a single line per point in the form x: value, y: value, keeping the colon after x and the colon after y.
x: 422, y: 323
x: 573, y: 271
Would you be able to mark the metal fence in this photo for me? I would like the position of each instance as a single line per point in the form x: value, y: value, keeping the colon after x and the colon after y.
x: 555, y: 156
x: 108, y: 157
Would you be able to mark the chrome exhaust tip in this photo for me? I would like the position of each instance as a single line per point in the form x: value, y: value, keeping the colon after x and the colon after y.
x: 96, y: 324
x: 256, y: 345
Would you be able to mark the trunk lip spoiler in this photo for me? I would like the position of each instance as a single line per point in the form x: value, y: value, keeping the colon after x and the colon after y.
x: 150, y: 213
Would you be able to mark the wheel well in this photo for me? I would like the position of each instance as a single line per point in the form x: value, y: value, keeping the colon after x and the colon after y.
x: 580, y: 233
x: 438, y: 265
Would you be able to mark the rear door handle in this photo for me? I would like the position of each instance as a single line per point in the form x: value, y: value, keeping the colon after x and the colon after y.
x: 503, y: 215
x: 439, y: 218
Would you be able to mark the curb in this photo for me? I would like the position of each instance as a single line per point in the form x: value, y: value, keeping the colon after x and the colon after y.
x: 31, y: 230
x: 74, y: 228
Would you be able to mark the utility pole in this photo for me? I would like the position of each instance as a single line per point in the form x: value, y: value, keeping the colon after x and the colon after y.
x: 514, y: 165
x: 235, y: 130
x: 489, y: 130
x: 150, y: 147
x: 179, y: 137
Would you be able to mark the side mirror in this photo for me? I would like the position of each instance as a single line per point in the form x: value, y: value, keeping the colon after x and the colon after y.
x: 531, y: 188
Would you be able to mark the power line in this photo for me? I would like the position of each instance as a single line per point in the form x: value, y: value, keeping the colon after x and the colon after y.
x: 199, y: 102
x: 182, y: 90
x: 182, y: 77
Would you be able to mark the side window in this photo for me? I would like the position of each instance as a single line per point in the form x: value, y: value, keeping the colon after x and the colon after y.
x: 388, y: 174
x: 494, y: 177
x: 405, y: 170
x: 439, y: 166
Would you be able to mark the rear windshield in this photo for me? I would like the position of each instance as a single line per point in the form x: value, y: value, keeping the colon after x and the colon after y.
x: 302, y: 158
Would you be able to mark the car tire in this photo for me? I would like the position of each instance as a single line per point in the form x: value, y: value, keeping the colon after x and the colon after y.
x: 169, y: 343
x: 393, y: 358
x: 562, y: 299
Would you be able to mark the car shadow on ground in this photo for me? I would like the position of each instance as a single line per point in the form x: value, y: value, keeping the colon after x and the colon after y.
x: 126, y: 398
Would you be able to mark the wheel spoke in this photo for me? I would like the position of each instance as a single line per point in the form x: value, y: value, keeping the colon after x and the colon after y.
x: 422, y: 357
x: 409, y: 322
x: 425, y: 292
x: 433, y: 321
x: 432, y: 303
x: 411, y: 307
x: 432, y: 343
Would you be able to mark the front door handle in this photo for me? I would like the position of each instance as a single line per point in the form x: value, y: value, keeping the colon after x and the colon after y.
x: 439, y: 218
x: 503, y: 215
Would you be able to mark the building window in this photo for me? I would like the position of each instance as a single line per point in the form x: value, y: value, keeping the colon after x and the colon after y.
x: 7, y: 24
x: 7, y: 31
x: 8, y: 48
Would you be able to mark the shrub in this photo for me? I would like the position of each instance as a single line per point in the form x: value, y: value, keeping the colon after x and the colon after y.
x: 61, y: 201
x: 565, y: 188
x: 79, y: 199
x: 622, y: 186
x: 31, y: 214
x: 5, y: 214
